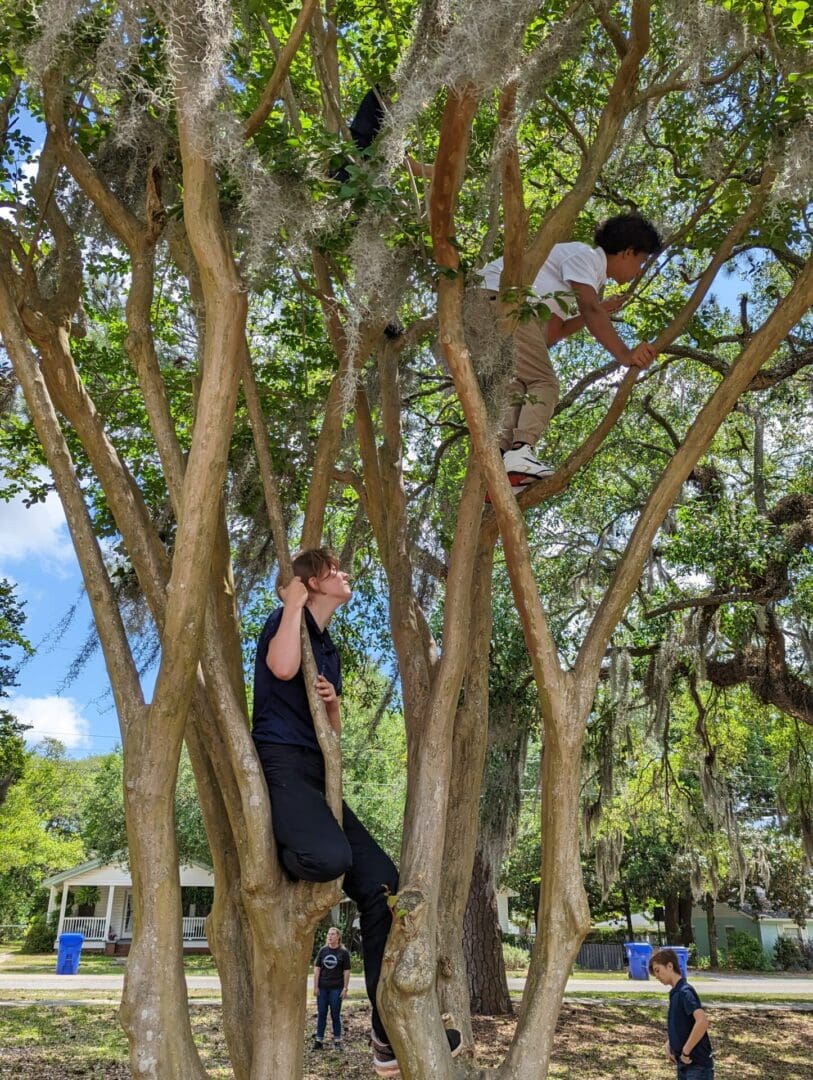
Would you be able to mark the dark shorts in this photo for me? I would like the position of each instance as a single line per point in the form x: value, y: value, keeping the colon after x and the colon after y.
x: 695, y: 1072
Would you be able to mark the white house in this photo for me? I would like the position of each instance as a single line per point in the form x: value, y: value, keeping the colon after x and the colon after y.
x: 110, y: 928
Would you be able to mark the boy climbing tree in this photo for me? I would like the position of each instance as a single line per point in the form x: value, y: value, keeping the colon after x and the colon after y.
x: 312, y: 846
x: 623, y: 244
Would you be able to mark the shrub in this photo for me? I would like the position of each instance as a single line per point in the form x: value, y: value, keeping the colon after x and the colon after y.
x: 40, y: 935
x: 745, y: 953
x: 522, y: 940
x: 516, y: 958
x: 608, y: 934
x: 791, y: 954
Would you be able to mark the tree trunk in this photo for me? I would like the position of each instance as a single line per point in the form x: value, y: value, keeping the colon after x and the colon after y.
x: 482, y: 945
x: 627, y: 913
x: 406, y: 993
x: 685, y: 906
x: 154, y: 1011
x: 468, y: 754
x: 711, y: 923
x: 564, y: 916
x: 670, y: 918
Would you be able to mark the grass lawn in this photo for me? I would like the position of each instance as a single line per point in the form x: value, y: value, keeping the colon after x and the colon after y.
x: 12, y: 959
x: 594, y: 1042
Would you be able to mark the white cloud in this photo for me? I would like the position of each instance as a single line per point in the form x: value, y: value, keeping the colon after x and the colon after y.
x: 39, y: 531
x: 54, y: 717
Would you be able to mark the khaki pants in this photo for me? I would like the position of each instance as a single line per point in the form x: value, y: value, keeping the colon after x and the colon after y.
x: 533, y: 391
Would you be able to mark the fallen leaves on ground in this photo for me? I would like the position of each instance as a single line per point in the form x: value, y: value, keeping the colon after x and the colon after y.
x: 594, y: 1041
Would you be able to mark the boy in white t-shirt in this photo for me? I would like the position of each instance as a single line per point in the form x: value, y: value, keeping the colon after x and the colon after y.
x: 623, y: 244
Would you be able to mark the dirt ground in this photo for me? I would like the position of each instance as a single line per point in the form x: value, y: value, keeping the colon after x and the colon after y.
x: 613, y: 1041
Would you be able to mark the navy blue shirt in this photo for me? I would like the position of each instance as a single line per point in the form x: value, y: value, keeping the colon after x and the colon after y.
x: 281, y: 711
x: 683, y: 1003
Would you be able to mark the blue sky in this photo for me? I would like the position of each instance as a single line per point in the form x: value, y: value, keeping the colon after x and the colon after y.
x: 37, y: 555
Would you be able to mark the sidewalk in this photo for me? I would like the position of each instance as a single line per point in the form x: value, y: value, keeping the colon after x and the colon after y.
x: 713, y: 985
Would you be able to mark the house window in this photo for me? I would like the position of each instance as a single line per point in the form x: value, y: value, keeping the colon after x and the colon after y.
x: 796, y: 933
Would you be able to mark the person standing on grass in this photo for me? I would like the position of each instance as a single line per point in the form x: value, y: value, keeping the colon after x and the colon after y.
x: 688, y: 1045
x: 331, y: 979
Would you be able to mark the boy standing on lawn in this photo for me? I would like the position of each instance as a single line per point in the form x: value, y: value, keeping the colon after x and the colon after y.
x: 688, y: 1045
x: 623, y: 244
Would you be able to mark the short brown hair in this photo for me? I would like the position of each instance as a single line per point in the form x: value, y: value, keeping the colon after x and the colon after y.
x: 663, y: 957
x: 312, y: 562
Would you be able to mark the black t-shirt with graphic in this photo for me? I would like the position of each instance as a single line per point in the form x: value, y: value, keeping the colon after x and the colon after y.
x: 332, y: 963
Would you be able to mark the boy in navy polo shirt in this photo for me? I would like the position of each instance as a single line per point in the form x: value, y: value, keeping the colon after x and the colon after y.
x: 688, y: 1045
x: 311, y: 845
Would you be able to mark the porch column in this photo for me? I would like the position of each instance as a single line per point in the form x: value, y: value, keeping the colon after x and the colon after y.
x: 51, y: 902
x: 62, y: 907
x: 109, y: 913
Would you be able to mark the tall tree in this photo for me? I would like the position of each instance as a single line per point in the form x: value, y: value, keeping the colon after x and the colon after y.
x: 195, y: 144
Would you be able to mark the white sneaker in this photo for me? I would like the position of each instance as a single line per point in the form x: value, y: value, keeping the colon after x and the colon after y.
x: 524, y: 462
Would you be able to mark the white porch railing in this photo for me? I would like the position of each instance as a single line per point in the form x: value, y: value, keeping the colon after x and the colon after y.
x: 93, y: 929
x: 193, y: 929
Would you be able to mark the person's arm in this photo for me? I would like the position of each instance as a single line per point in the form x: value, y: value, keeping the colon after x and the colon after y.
x: 420, y: 168
x: 284, y: 655
x: 701, y: 1026
x: 332, y: 702
x: 346, y: 974
x: 600, y: 326
x: 556, y: 328
x: 316, y: 972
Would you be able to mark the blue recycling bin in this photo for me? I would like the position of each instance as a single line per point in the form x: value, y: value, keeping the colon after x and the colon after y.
x: 70, y: 949
x: 683, y: 958
x: 638, y: 954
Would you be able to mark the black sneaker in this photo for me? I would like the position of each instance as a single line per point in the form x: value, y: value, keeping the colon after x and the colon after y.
x: 317, y: 1045
x: 385, y: 1062
x: 338, y: 1044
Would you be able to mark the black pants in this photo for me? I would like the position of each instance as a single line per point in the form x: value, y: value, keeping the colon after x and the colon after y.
x: 312, y: 847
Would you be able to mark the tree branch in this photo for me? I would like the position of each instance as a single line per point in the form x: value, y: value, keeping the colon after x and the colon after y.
x: 785, y: 315
x: 559, y: 220
x: 281, y: 69
x: 449, y: 171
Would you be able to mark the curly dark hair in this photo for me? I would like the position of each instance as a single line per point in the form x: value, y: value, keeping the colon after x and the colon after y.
x: 628, y: 231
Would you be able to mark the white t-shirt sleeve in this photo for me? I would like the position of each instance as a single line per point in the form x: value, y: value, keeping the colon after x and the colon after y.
x: 490, y: 275
x: 581, y: 265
